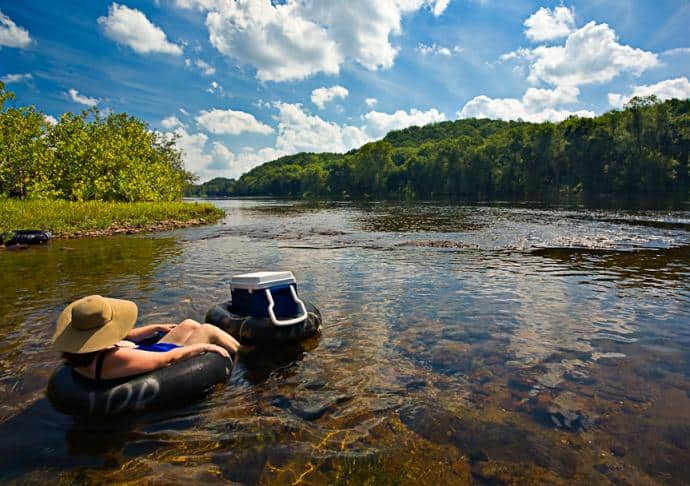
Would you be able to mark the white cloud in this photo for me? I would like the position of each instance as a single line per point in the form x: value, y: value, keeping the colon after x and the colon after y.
x: 197, y: 4
x: 214, y: 87
x: 231, y: 122
x: 193, y: 150
x: 130, y: 27
x: 16, y: 78
x: 277, y: 40
x: 184, y: 112
x: 171, y: 122
x: 50, y: 120
x: 301, y: 132
x: 213, y: 159
x: 546, y: 24
x: 371, y: 102
x: 298, y: 131
x: 262, y: 104
x: 434, y: 49
x: 205, y: 68
x: 665, y: 90
x: 81, y: 99
x: 378, y: 123
x: 11, y: 35
x: 439, y: 7
x: 536, y: 105
x: 321, y: 96
x: 677, y: 51
x: 299, y: 38
x: 536, y: 98
x: 591, y: 54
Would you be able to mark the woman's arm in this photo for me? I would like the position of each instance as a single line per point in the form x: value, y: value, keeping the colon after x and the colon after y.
x: 128, y: 361
x: 141, y: 333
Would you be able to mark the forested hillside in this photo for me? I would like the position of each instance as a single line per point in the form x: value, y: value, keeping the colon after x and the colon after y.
x: 641, y: 151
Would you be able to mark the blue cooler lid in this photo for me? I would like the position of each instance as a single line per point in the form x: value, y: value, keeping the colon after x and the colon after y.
x: 261, y: 280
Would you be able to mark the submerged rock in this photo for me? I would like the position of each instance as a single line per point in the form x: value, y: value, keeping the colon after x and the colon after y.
x: 566, y: 411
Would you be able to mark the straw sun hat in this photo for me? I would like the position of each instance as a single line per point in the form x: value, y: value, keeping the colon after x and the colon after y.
x: 93, y: 323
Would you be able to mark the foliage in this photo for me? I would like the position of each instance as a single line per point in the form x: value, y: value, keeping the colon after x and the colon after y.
x: 66, y: 217
x: 86, y: 156
x: 639, y: 152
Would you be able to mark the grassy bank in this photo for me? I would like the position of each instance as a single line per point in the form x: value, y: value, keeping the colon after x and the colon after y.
x: 95, y: 218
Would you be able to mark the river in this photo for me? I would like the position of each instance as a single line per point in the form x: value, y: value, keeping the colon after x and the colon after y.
x: 495, y: 344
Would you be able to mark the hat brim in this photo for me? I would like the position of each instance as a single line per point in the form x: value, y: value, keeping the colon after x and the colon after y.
x: 68, y: 339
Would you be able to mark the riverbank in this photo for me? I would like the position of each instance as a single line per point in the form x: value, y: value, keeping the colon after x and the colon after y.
x: 65, y: 219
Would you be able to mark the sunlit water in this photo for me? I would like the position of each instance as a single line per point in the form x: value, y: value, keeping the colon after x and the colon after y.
x: 491, y: 344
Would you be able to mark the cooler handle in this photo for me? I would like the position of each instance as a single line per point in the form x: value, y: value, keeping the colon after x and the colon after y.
x: 288, y: 322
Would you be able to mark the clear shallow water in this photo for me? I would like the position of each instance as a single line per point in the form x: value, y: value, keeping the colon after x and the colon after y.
x: 494, y: 344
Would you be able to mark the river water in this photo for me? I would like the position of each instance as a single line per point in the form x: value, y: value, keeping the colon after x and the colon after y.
x: 470, y: 343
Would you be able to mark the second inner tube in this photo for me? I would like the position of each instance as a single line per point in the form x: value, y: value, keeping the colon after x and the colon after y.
x: 25, y: 237
x: 260, y: 330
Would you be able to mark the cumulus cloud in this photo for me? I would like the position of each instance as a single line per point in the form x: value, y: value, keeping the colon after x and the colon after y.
x: 16, y: 78
x: 11, y: 35
x: 321, y: 96
x: 81, y: 99
x: 299, y: 38
x: 591, y: 54
x: 378, y: 123
x: 171, y: 122
x: 51, y: 120
x: 546, y: 24
x: 536, y: 105
x: 209, y: 159
x: 300, y: 132
x: 231, y: 122
x: 371, y: 102
x: 665, y: 90
x: 276, y: 39
x: 130, y: 27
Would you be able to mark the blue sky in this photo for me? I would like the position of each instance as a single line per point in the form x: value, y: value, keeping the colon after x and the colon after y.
x: 242, y: 82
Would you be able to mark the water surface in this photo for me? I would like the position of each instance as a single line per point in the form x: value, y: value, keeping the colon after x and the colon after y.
x: 471, y: 343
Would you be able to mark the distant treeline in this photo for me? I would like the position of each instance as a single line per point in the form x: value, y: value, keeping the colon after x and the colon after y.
x: 85, y: 156
x: 639, y: 152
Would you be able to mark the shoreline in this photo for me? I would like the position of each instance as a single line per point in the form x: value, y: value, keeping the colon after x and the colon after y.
x: 127, y: 229
x: 69, y: 220
x: 116, y: 230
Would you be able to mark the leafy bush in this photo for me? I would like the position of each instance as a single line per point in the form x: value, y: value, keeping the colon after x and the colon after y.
x: 86, y: 156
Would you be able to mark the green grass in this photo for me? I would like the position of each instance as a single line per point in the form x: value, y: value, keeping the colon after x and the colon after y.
x: 63, y: 218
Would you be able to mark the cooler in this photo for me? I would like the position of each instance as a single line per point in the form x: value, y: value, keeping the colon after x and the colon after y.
x: 268, y: 294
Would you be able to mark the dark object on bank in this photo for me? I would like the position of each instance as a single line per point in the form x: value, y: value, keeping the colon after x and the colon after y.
x: 265, y: 309
x: 175, y: 385
x: 25, y: 237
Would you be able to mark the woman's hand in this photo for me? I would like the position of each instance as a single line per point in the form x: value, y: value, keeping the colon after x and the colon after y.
x: 165, y: 328
x: 214, y: 348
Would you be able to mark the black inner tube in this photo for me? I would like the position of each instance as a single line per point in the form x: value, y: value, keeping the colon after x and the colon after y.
x: 175, y: 385
x: 25, y: 237
x: 260, y: 330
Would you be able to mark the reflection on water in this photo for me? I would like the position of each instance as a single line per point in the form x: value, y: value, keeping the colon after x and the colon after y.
x: 487, y: 344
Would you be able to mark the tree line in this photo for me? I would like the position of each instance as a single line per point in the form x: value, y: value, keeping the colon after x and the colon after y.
x: 638, y: 152
x: 86, y: 156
